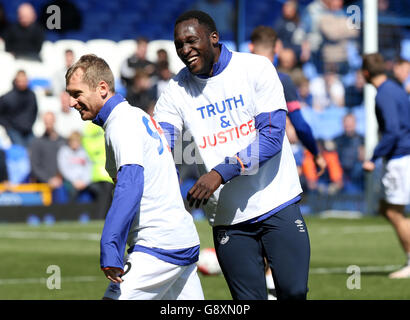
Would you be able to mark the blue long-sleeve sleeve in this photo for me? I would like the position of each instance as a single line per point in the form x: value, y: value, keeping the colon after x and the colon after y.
x: 270, y: 132
x: 303, y: 131
x: 124, y: 208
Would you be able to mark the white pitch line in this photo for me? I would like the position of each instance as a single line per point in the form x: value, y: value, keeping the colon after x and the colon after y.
x: 97, y: 236
x: 49, y: 235
x: 366, y: 269
x: 335, y: 270
x: 44, y: 280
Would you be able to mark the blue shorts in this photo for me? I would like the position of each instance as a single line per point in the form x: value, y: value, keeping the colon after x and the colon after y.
x: 282, y: 239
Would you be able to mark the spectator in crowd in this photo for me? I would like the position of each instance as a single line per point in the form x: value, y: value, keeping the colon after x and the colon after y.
x: 354, y: 92
x: 331, y: 182
x: 142, y: 94
x: 58, y: 78
x: 350, y: 149
x: 94, y: 144
x: 18, y: 110
x: 305, y: 96
x: 75, y: 168
x: 327, y: 90
x: 223, y: 13
x: 4, y: 23
x: 287, y: 60
x: 288, y: 63
x: 310, y: 19
x: 162, y: 56
x: 401, y: 70
x: 289, y: 30
x: 43, y: 156
x: 25, y: 38
x: 137, y: 61
x: 164, y: 75
x: 336, y: 33
x: 389, y: 35
x: 334, y: 88
x: 67, y: 119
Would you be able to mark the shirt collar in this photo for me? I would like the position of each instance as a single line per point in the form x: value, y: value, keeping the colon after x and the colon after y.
x: 222, y: 62
x: 106, y: 109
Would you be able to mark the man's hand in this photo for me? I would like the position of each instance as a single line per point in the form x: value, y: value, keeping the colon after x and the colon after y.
x: 79, y: 185
x: 113, y: 274
x: 321, y: 164
x: 368, y: 165
x: 204, y: 188
x: 55, y: 182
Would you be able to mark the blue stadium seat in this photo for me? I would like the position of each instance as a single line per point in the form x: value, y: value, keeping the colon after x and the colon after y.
x: 331, y: 122
x: 327, y: 124
x: 405, y: 49
x: 43, y: 83
x: 18, y: 164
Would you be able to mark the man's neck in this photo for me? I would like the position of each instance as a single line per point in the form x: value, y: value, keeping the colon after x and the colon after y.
x: 108, y: 97
x: 218, y: 51
x: 378, y: 80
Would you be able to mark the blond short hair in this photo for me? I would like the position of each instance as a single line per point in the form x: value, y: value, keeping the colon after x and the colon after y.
x: 95, y: 70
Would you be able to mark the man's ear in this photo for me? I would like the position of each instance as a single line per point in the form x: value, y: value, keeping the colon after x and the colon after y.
x: 214, y: 38
x: 366, y: 75
x: 251, y: 47
x: 103, y: 89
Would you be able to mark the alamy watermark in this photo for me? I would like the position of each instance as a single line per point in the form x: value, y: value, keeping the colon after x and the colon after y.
x: 354, y: 16
x: 54, y: 280
x: 54, y: 20
x: 353, y: 282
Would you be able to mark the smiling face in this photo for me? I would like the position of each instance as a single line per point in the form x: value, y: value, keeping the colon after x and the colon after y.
x: 196, y: 47
x: 88, y: 102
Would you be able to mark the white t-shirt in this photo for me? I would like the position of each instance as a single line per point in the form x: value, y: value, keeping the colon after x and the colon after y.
x: 132, y: 138
x: 219, y: 113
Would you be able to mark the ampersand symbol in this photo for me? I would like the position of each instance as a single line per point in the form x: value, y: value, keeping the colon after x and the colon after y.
x: 225, y: 123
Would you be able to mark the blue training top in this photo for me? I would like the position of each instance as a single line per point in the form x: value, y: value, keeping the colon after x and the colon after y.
x: 393, y: 117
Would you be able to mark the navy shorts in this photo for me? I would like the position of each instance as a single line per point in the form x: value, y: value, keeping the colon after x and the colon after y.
x: 282, y: 239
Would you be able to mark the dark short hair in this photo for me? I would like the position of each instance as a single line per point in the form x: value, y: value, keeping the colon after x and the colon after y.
x: 202, y: 17
x: 264, y: 35
x: 374, y: 64
x: 140, y: 39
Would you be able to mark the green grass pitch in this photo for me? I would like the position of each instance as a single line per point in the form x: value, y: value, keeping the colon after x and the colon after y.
x: 369, y: 243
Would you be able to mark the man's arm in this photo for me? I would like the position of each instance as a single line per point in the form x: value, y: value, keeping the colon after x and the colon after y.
x: 303, y: 131
x: 125, y: 206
